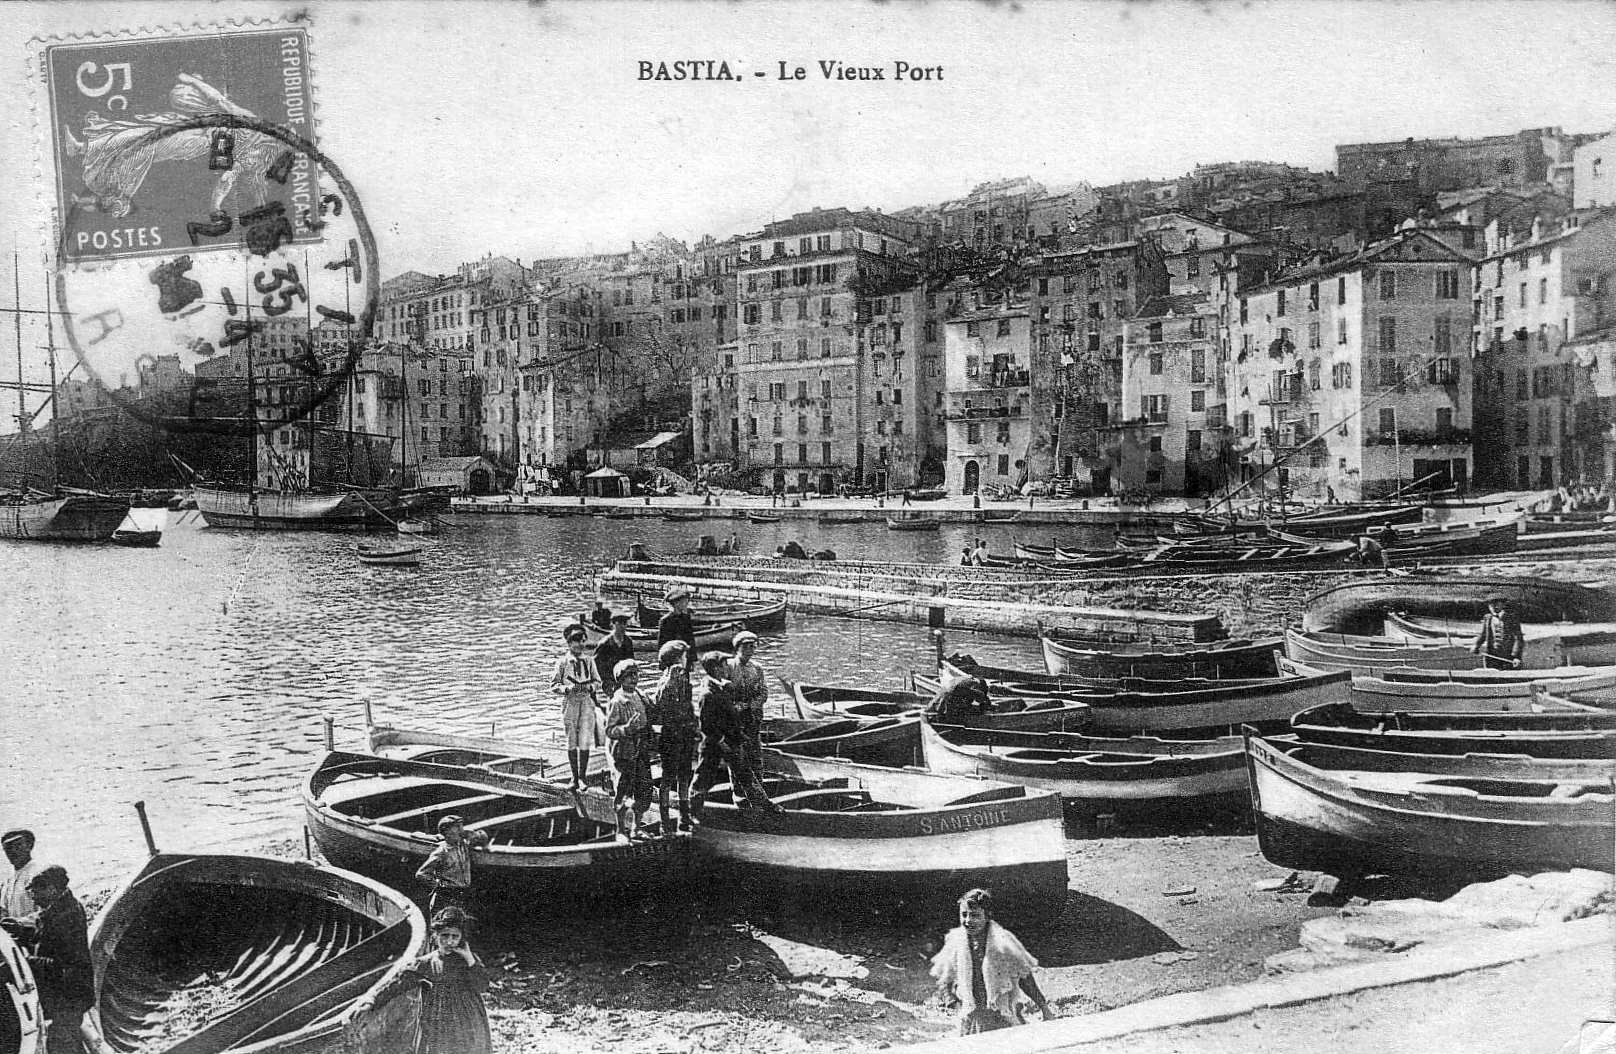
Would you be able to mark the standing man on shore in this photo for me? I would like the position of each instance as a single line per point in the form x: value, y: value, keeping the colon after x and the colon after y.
x: 56, y: 942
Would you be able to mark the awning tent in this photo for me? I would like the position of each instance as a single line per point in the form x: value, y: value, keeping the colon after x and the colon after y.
x: 606, y: 483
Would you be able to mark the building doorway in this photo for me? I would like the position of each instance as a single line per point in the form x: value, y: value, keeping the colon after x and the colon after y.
x: 973, y: 477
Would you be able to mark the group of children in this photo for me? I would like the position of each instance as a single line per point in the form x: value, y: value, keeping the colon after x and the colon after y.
x: 602, y: 697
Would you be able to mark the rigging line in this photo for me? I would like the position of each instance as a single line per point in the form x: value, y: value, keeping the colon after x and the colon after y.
x: 258, y: 539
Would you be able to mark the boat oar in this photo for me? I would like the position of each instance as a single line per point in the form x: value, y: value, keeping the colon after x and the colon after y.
x: 145, y: 828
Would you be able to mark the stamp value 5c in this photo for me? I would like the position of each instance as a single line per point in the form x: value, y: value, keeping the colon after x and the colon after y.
x: 136, y: 172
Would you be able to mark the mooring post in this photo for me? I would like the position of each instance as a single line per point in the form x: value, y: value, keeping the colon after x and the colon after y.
x: 370, y: 721
x: 330, y: 732
x: 145, y: 828
x: 308, y: 844
x: 937, y: 643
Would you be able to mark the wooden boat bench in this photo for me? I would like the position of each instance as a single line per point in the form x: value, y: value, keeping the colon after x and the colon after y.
x: 454, y: 805
x: 857, y: 797
x: 553, y: 812
x: 1001, y: 793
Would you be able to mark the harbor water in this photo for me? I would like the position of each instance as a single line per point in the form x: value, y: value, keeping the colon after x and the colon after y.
x: 195, y: 676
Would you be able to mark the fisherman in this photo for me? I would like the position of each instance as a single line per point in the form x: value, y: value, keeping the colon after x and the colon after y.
x: 14, y: 899
x: 601, y: 616
x: 577, y: 685
x: 751, y: 694
x: 612, y: 650
x: 723, y: 744
x: 1370, y: 553
x: 56, y: 943
x: 678, y: 623
x: 960, y: 696
x: 1501, y: 639
x: 965, y: 557
x: 673, y: 723
x: 447, y: 869
x: 628, y: 727
x: 986, y: 970
x: 979, y: 555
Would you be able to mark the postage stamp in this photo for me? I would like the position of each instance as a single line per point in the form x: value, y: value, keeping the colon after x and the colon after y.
x: 132, y: 161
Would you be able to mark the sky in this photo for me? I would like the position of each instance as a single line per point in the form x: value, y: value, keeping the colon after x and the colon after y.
x: 524, y: 129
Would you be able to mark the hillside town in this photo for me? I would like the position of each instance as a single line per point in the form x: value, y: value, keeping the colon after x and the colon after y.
x: 1435, y: 313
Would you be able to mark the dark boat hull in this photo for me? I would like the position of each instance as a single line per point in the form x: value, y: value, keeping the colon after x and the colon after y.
x: 1362, y: 606
x: 768, y: 616
x: 70, y: 518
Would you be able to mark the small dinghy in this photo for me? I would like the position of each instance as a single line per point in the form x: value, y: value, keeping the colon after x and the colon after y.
x: 22, y: 1030
x: 877, y: 741
x: 204, y: 954
x: 394, y: 554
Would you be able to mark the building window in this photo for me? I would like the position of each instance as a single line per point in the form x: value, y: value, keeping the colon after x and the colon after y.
x: 1388, y: 285
x: 1004, y: 464
x: 1388, y: 336
x: 825, y: 423
x: 1279, y: 303
x: 1004, y: 327
x: 1313, y: 334
x: 1197, y: 366
x: 1447, y: 285
x: 1004, y: 432
x: 1340, y: 331
x: 973, y: 433
x: 1388, y: 420
x: 779, y: 453
x: 1155, y: 363
x: 973, y: 329
x: 1197, y: 400
x: 1341, y: 290
x: 1154, y: 335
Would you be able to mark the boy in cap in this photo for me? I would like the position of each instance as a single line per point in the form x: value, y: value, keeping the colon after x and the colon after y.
x: 14, y: 899
x: 752, y: 693
x: 673, y: 712
x: 628, y: 727
x: 613, y: 649
x: 57, y: 945
x: 448, y: 867
x: 723, y: 743
x: 575, y: 681
x: 678, y: 624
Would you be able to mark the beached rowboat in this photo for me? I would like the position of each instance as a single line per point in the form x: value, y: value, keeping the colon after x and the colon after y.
x: 1339, y: 756
x: 379, y: 816
x: 251, y: 954
x: 907, y: 836
x: 510, y: 757
x: 1352, y: 823
x: 1101, y: 773
x: 1546, y: 735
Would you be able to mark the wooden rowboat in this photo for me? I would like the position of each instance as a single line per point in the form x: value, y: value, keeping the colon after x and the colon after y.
x: 1361, y: 606
x: 822, y: 702
x: 903, y: 835
x: 496, y: 754
x: 913, y: 523
x: 1339, y: 756
x: 1573, y: 634
x: 1099, y: 773
x: 1217, y: 705
x: 1229, y: 658
x: 879, y: 741
x: 1542, y: 651
x: 22, y: 1029
x: 379, y: 816
x: 203, y: 953
x: 716, y: 636
x: 683, y: 517
x: 1407, y: 684
x: 760, y: 616
x: 764, y: 517
x: 1547, y: 735
x: 389, y: 555
x: 1353, y: 823
x: 1005, y: 674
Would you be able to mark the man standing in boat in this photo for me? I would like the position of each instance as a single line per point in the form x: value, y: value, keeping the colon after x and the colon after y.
x: 57, y: 945
x: 678, y: 624
x: 1501, y: 640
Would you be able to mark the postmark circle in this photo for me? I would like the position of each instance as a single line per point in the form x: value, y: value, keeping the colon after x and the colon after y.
x: 216, y: 324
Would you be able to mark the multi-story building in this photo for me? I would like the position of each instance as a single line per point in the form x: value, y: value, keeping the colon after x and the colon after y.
x: 571, y: 384
x: 1540, y: 287
x: 1351, y: 377
x: 805, y: 377
x: 1197, y: 253
x: 988, y: 397
x: 1447, y: 164
x: 994, y: 213
x: 1080, y: 302
x: 423, y: 402
x: 1593, y: 178
x: 1174, y: 430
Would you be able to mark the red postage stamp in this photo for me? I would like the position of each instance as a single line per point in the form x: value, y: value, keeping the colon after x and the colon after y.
x: 139, y: 171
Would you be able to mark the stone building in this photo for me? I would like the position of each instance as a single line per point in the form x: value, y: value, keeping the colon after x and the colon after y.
x: 1352, y: 375
x: 1079, y: 302
x: 804, y: 378
x: 1540, y: 287
x: 1197, y: 252
x: 988, y: 397
x: 1174, y: 429
x: 1593, y: 179
x: 1448, y: 164
x: 994, y: 213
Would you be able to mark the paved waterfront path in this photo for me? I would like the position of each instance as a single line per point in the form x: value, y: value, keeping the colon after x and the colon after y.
x: 1519, y: 991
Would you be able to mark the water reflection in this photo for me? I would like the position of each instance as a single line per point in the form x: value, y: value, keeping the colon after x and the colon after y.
x: 195, y: 676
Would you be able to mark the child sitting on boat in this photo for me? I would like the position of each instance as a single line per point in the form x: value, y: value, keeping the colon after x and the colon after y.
x: 628, y: 726
x: 986, y: 970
